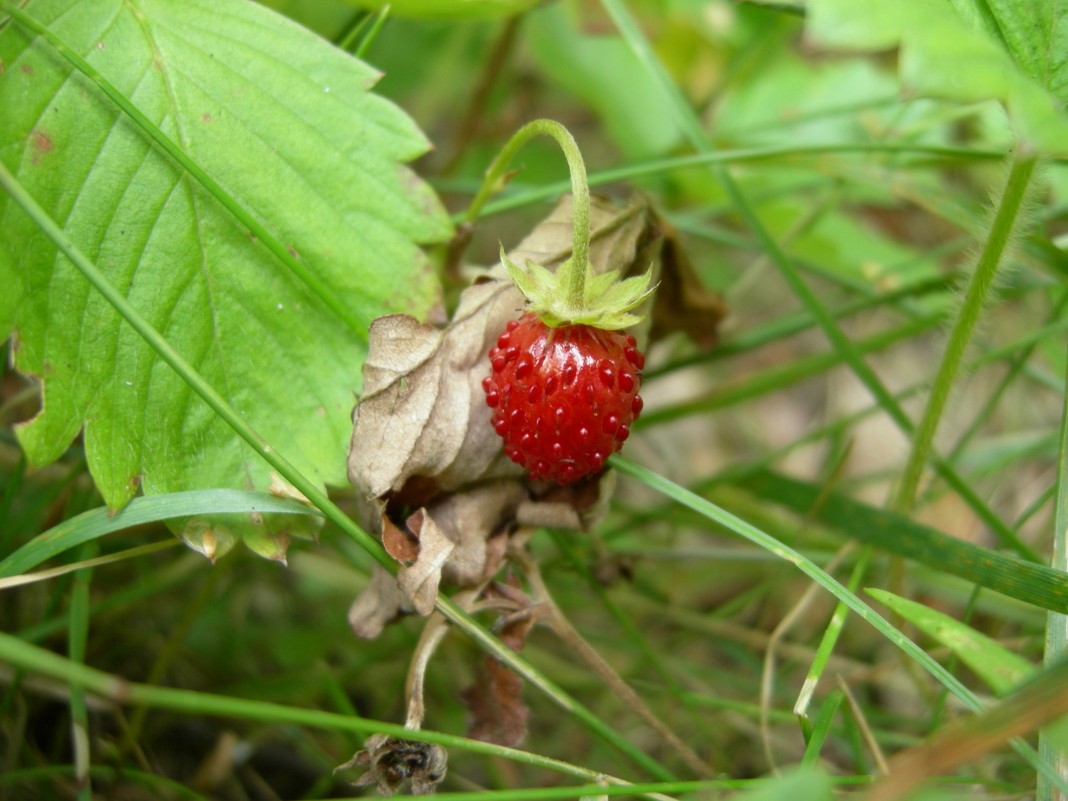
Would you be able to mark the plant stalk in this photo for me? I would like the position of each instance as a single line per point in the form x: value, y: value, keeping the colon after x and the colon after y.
x: 579, y: 263
x: 1057, y: 624
x: 1001, y: 231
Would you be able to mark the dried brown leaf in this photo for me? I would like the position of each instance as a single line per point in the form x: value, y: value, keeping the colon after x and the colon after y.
x: 495, y: 701
x: 682, y: 302
x: 419, y: 580
x: 380, y: 602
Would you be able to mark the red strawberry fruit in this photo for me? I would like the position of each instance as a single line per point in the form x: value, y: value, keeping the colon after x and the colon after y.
x: 563, y: 397
x: 564, y: 378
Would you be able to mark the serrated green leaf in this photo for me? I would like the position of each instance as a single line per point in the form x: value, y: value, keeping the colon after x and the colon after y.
x: 1000, y: 668
x: 1035, y: 32
x: 286, y: 125
x: 967, y: 52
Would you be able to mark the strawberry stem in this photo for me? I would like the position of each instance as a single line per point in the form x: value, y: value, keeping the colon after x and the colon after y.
x: 574, y: 271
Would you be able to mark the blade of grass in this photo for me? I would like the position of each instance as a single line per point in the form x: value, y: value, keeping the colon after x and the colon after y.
x: 189, y: 702
x: 899, y: 535
x: 1000, y: 668
x: 1057, y: 624
x: 379, y: 20
x: 44, y: 575
x: 828, y: 641
x: 753, y: 534
x: 776, y: 378
x: 171, y: 148
x: 816, y: 734
x: 1006, y: 219
x: 77, y: 638
x: 721, y: 157
x: 147, y: 509
x: 308, y: 488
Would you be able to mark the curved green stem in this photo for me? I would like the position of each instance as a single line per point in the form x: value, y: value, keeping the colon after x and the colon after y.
x: 1005, y: 222
x: 579, y: 263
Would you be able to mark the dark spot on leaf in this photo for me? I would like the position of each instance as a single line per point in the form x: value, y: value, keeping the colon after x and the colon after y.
x: 292, y: 251
x: 42, y: 141
x: 206, y: 117
x: 27, y: 69
x: 41, y: 144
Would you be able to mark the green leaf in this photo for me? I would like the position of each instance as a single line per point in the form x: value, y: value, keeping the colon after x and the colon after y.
x: 966, y: 51
x: 450, y: 9
x: 1001, y: 669
x: 285, y: 124
x: 1035, y: 32
x: 1033, y: 583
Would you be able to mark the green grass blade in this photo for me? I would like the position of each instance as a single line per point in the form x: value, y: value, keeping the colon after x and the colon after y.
x: 1000, y: 668
x: 77, y: 639
x: 821, y: 726
x: 1057, y: 623
x: 750, y: 532
x: 1001, y: 232
x: 829, y: 640
x: 896, y: 534
x: 96, y: 523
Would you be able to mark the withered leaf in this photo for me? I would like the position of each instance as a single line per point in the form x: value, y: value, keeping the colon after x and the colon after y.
x: 379, y: 603
x: 391, y: 761
x: 419, y: 580
x: 495, y: 701
x: 682, y: 302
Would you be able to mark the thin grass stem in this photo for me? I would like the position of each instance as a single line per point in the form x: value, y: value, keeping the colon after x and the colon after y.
x: 1057, y: 624
x: 1005, y: 222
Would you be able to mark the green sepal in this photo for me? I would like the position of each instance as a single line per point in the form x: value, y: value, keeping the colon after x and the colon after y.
x: 606, y: 304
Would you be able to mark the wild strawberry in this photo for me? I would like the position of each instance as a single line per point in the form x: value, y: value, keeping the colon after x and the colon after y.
x: 564, y: 398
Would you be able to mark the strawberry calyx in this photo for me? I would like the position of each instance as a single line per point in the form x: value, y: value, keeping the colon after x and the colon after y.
x: 559, y: 299
x: 573, y: 295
